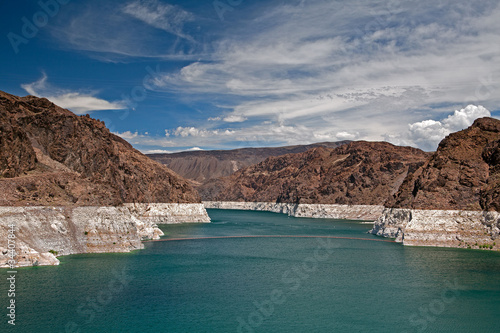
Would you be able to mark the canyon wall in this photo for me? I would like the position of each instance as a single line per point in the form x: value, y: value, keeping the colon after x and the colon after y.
x: 453, y: 199
x: 68, y: 185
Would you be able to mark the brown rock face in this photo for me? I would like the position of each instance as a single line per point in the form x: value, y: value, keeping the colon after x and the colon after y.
x: 490, y: 194
x: 462, y: 174
x: 50, y: 156
x: 16, y: 154
x: 359, y: 173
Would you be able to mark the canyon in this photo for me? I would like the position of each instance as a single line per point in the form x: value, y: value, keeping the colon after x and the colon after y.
x: 448, y: 198
x: 68, y: 185
x: 357, y: 173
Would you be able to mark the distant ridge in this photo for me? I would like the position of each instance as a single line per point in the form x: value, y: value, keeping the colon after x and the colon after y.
x: 201, y: 166
x: 357, y: 173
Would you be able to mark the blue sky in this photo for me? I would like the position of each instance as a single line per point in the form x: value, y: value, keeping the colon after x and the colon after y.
x: 178, y: 75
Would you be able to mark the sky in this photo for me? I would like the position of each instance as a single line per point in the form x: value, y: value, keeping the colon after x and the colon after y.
x: 169, y: 76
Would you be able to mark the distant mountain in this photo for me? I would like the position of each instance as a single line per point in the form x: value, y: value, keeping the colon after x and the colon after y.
x: 201, y: 166
x: 50, y: 156
x: 362, y: 173
x: 464, y: 173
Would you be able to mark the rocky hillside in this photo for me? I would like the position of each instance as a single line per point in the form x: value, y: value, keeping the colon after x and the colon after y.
x: 201, y: 166
x: 359, y: 173
x: 50, y: 156
x: 463, y: 174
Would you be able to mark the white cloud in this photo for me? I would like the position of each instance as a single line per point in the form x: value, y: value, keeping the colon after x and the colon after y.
x: 190, y: 131
x: 346, y: 136
x: 157, y: 151
x: 427, y: 134
x: 77, y: 102
x: 464, y: 118
x: 234, y: 119
x: 138, y: 139
x: 111, y: 31
x: 340, y: 70
x: 159, y: 15
x: 364, y: 68
x: 196, y: 132
x: 335, y: 136
x: 163, y: 151
x: 268, y: 133
x: 127, y: 135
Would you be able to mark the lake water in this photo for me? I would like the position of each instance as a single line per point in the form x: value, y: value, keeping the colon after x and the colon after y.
x: 224, y: 283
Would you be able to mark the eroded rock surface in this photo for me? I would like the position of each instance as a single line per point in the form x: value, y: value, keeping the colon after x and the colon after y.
x: 359, y: 173
x: 50, y: 156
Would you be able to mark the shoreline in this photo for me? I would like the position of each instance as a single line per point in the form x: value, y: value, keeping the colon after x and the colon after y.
x: 42, y: 233
x: 341, y: 212
x: 440, y: 228
x: 436, y: 228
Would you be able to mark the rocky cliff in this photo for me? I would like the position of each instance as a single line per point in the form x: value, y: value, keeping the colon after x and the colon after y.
x: 50, y: 156
x: 453, y: 199
x: 462, y: 174
x: 358, y: 173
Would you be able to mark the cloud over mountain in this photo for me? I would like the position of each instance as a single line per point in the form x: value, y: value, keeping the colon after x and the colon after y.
x: 78, y: 102
x: 427, y: 134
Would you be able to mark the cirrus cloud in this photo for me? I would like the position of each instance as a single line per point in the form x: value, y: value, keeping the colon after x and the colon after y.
x: 163, y: 16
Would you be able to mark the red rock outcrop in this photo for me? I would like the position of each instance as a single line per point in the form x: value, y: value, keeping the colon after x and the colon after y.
x: 463, y: 174
x: 359, y: 173
x: 50, y: 156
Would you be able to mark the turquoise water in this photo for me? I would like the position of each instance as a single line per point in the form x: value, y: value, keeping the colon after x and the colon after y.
x: 262, y: 284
